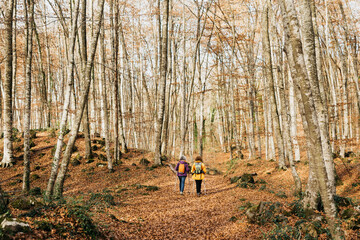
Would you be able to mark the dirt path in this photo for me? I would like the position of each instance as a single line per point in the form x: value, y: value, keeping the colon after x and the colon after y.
x: 166, y: 214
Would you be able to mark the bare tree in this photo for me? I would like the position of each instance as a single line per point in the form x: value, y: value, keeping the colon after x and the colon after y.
x: 270, y: 84
x: 162, y: 86
x: 7, y: 160
x: 29, y: 17
x: 104, y: 110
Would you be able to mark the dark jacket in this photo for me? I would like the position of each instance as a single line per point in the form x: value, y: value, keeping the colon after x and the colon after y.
x: 187, y: 168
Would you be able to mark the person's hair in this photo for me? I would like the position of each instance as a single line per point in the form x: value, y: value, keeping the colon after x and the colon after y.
x: 183, y: 158
x: 198, y: 158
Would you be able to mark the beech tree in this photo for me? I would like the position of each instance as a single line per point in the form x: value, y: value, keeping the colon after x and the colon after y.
x: 8, y: 85
x: 29, y: 17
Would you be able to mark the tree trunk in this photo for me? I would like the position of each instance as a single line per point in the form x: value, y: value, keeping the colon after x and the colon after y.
x: 311, y: 64
x: 83, y: 46
x: 293, y: 121
x: 114, y: 54
x: 29, y: 10
x: 162, y: 87
x: 103, y: 92
x: 270, y: 83
x: 7, y: 160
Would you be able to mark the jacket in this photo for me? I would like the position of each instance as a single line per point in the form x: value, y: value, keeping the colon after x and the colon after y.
x: 187, y: 168
x: 200, y: 176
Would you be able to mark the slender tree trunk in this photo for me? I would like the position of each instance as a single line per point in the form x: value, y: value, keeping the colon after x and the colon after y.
x: 103, y: 92
x: 183, y: 115
x: 29, y: 10
x: 7, y: 160
x: 293, y: 121
x: 121, y: 100
x: 83, y: 44
x: 162, y: 88
x: 114, y: 53
x: 270, y: 80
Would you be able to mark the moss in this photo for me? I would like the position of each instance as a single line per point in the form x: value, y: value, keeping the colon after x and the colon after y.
x: 34, y: 177
x: 281, y: 194
x: 144, y: 162
x: 32, y: 134
x: 152, y: 188
x: 4, y: 201
x: 76, y: 160
x: 21, y: 204
x: 247, y: 178
x: 89, y: 161
x: 102, y: 157
x: 347, y: 213
x: 243, y: 185
x: 233, y: 219
x: 36, y: 191
x: 102, y: 198
x: 43, y: 225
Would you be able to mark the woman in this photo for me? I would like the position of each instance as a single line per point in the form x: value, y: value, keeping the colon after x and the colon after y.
x: 182, y: 169
x: 198, y: 170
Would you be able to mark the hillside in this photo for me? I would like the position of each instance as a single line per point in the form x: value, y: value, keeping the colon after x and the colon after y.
x: 143, y: 202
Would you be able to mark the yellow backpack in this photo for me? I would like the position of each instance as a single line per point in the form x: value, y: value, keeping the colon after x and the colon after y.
x: 181, y: 168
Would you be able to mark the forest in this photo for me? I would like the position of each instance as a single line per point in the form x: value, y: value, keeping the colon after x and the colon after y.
x: 101, y: 98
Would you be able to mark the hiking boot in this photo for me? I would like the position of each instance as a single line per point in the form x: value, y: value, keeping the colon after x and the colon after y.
x: 198, y: 194
x: 181, y: 193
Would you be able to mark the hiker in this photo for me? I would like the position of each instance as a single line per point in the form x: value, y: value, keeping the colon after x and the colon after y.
x: 198, y: 170
x: 182, y: 169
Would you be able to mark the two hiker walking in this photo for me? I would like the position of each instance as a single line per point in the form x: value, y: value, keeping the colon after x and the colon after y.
x: 198, y: 171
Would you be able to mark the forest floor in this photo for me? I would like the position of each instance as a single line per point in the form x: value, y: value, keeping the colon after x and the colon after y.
x: 143, y: 202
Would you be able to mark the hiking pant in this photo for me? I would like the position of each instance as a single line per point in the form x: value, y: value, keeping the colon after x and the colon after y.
x: 182, y: 183
x: 198, y: 186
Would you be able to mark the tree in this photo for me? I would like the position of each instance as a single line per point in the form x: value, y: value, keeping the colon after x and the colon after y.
x: 29, y: 9
x: 7, y: 160
x: 162, y: 86
x: 270, y: 83
x: 84, y: 58
x: 104, y: 106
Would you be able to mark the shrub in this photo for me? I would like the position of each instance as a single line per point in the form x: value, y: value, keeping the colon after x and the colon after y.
x: 108, y: 199
x: 83, y: 220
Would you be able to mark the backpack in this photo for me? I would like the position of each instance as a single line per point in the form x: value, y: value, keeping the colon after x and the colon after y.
x: 198, y: 169
x: 181, y: 168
